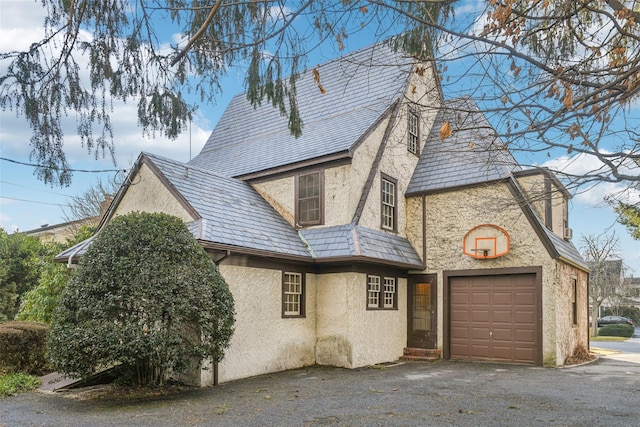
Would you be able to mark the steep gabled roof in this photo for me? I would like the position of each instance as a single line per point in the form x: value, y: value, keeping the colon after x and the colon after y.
x: 232, y: 213
x: 360, y: 88
x: 473, y: 154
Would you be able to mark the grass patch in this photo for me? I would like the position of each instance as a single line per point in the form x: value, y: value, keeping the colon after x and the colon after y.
x: 609, y: 339
x: 12, y: 384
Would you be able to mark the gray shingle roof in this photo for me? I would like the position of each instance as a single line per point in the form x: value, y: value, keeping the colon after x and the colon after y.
x: 566, y: 250
x: 473, y: 154
x: 360, y: 87
x: 354, y: 241
x: 232, y: 212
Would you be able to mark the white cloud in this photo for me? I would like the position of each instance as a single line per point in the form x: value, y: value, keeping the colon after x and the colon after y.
x: 594, y: 194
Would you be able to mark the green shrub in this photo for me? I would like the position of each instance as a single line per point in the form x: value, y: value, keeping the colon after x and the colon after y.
x: 23, y: 347
x: 145, y: 296
x: 11, y: 384
x: 625, y: 331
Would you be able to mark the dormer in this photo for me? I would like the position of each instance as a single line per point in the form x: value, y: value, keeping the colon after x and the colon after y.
x: 549, y: 199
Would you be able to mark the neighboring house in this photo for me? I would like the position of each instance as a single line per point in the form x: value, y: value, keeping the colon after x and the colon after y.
x: 606, y: 280
x: 369, y: 238
x: 632, y: 285
x: 61, y: 233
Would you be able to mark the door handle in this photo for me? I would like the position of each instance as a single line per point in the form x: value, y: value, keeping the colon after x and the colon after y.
x: 490, y: 334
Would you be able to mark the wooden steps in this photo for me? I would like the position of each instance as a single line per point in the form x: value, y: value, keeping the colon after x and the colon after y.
x: 421, y: 354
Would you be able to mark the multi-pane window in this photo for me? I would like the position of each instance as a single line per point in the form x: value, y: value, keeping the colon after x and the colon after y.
x: 292, y: 295
x: 389, y: 292
x: 413, y: 132
x: 373, y: 291
x: 388, y: 198
x: 309, y: 199
x: 381, y: 292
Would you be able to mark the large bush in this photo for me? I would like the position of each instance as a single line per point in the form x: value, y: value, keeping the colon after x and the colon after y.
x: 616, y: 331
x: 22, y: 260
x: 145, y: 296
x: 22, y: 347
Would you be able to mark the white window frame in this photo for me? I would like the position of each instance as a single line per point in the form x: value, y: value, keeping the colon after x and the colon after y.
x: 413, y: 131
x: 292, y: 294
x: 389, y: 292
x: 382, y: 292
x: 373, y: 291
x: 388, y: 202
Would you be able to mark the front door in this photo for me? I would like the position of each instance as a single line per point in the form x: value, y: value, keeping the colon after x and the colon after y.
x: 421, y: 310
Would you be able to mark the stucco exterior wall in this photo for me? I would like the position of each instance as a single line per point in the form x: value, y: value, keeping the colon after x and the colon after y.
x: 423, y: 98
x: 571, y: 337
x: 349, y: 335
x: 533, y: 187
x: 344, y: 184
x: 263, y: 341
x: 148, y: 194
x: 449, y: 216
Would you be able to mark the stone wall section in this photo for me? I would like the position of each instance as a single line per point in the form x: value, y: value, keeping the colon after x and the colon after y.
x: 450, y: 215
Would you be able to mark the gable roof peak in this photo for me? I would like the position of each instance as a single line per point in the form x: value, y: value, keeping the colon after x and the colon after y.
x: 358, y: 89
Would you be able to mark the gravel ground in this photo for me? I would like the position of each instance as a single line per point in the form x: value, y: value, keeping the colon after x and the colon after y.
x: 602, y: 393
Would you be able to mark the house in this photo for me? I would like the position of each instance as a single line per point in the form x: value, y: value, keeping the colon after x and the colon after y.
x: 632, y: 287
x: 63, y: 232
x: 370, y: 237
x: 60, y: 233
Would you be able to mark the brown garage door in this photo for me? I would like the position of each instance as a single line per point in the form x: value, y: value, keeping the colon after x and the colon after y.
x: 494, y: 318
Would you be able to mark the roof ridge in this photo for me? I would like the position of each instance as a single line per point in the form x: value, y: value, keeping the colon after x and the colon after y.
x: 189, y: 166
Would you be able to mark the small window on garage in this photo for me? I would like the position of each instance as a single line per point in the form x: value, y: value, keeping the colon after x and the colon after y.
x: 574, y: 301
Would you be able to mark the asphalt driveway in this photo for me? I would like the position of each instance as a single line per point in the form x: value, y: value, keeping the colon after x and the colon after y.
x: 603, y: 393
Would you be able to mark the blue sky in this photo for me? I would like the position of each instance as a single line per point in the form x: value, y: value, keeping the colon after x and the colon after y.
x: 27, y: 203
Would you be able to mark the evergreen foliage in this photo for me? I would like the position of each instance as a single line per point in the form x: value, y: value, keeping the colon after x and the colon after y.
x: 626, y: 331
x: 554, y: 73
x: 22, y: 347
x: 145, y: 296
x: 22, y: 260
x: 629, y: 216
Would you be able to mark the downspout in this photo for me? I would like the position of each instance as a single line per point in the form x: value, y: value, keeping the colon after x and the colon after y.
x: 424, y: 232
x: 78, y: 249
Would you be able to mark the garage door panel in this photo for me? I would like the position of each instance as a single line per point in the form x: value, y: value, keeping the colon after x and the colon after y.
x: 502, y: 335
x: 480, y: 316
x: 481, y: 298
x: 498, y: 322
x: 525, y: 336
x: 524, y: 317
x: 479, y: 333
x: 503, y: 298
x: 502, y: 316
x: 459, y: 316
x: 460, y: 298
x: 480, y: 350
x: 524, y: 298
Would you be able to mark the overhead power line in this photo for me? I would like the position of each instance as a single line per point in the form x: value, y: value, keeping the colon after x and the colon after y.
x: 56, y: 168
x: 33, y: 201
